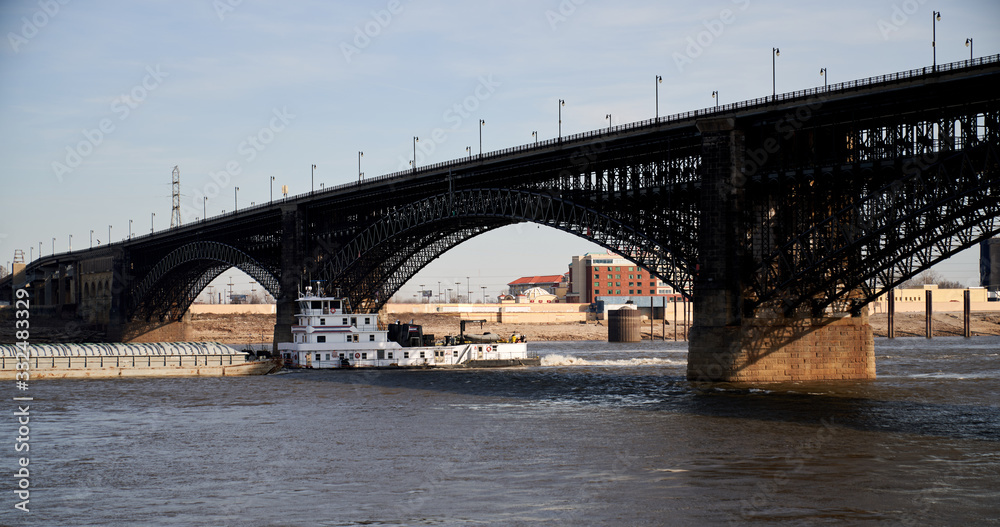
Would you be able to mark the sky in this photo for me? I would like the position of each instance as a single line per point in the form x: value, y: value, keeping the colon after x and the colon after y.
x: 100, y: 100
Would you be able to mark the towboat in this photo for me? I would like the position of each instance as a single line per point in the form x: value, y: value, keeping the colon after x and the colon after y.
x: 329, y: 335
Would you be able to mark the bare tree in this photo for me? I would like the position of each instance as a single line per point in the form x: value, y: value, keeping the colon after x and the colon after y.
x: 929, y: 277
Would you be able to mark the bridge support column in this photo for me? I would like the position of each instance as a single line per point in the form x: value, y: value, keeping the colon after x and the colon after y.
x: 730, y: 344
x: 293, y: 257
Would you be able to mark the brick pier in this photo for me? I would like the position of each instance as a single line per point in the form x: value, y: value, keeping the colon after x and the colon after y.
x: 728, y: 344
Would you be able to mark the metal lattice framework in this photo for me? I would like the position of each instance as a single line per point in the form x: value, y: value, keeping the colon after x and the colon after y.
x: 373, y: 264
x: 178, y: 278
x: 922, y: 217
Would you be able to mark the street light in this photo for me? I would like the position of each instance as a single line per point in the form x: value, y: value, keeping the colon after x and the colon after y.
x: 70, y: 243
x: 236, y: 199
x: 481, y: 124
x: 91, y: 238
x: 53, y: 245
x: 272, y: 190
x: 935, y: 16
x: 361, y: 175
x: 458, y: 293
x: 312, y: 181
x: 822, y: 71
x: 774, y: 89
x: 130, y: 229
x: 483, y: 287
x: 659, y: 81
x: 535, y: 135
x: 151, y: 216
x: 109, y: 235
x: 715, y: 95
x: 415, y: 141
x: 608, y: 117
x: 968, y: 44
x: 561, y: 104
x: 204, y: 207
x: 468, y: 150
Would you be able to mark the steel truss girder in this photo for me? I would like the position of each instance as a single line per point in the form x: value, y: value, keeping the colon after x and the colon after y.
x: 471, y: 212
x: 887, y: 236
x: 175, y: 281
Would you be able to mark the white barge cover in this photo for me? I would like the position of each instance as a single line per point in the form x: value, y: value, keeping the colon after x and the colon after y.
x: 163, y: 349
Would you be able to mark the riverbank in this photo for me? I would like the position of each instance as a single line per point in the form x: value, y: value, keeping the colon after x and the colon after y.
x: 257, y: 328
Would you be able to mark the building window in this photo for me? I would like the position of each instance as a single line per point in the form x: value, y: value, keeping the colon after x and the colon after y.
x: 631, y: 292
x: 618, y: 292
x: 321, y: 338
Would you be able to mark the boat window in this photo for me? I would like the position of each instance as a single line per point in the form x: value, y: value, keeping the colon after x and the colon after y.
x: 316, y: 304
x: 321, y: 338
x: 389, y: 354
x: 356, y: 338
x: 342, y: 355
x: 327, y: 356
x: 421, y: 354
x: 335, y: 304
x: 406, y: 354
x: 317, y: 357
x: 354, y: 321
x: 345, y: 321
x: 322, y: 321
x: 364, y: 355
x: 371, y: 338
x: 455, y: 353
x: 368, y: 320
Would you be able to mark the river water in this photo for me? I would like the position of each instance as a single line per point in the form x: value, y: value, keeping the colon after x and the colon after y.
x: 600, y: 434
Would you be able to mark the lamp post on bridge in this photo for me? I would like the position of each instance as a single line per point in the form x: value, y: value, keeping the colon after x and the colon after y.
x: 152, y: 216
x: 968, y: 44
x: 361, y: 175
x: 935, y: 16
x: 204, y: 208
x: 130, y: 229
x: 236, y: 199
x: 91, y: 238
x: 535, y: 135
x: 468, y: 150
x: 608, y: 117
x: 561, y: 104
x: 715, y: 95
x: 822, y: 71
x: 70, y: 243
x: 774, y: 84
x: 53, y: 245
x: 659, y: 81
x: 414, y: 162
x: 272, y: 190
x: 312, y: 181
x: 109, y: 235
x: 481, y: 124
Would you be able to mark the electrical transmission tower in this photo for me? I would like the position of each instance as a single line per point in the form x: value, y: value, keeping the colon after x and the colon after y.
x: 175, y: 213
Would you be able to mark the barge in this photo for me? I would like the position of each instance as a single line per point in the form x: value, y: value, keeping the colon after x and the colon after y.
x: 329, y: 336
x: 105, y: 360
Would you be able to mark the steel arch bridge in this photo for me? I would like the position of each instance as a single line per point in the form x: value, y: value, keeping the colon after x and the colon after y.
x: 810, y: 203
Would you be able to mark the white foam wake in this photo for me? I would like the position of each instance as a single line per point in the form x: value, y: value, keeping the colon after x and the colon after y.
x: 569, y: 360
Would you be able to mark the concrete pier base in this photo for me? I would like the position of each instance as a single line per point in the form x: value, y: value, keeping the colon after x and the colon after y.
x: 783, y: 349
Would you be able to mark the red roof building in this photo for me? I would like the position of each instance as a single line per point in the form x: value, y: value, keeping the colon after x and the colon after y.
x: 549, y: 283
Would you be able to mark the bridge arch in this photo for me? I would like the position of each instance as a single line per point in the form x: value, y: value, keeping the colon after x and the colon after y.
x: 390, y: 251
x: 170, y: 287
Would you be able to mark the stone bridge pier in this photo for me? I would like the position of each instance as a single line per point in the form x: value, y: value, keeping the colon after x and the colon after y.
x: 729, y: 340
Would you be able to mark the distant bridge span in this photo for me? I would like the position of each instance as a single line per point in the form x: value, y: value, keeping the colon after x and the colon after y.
x: 781, y: 216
